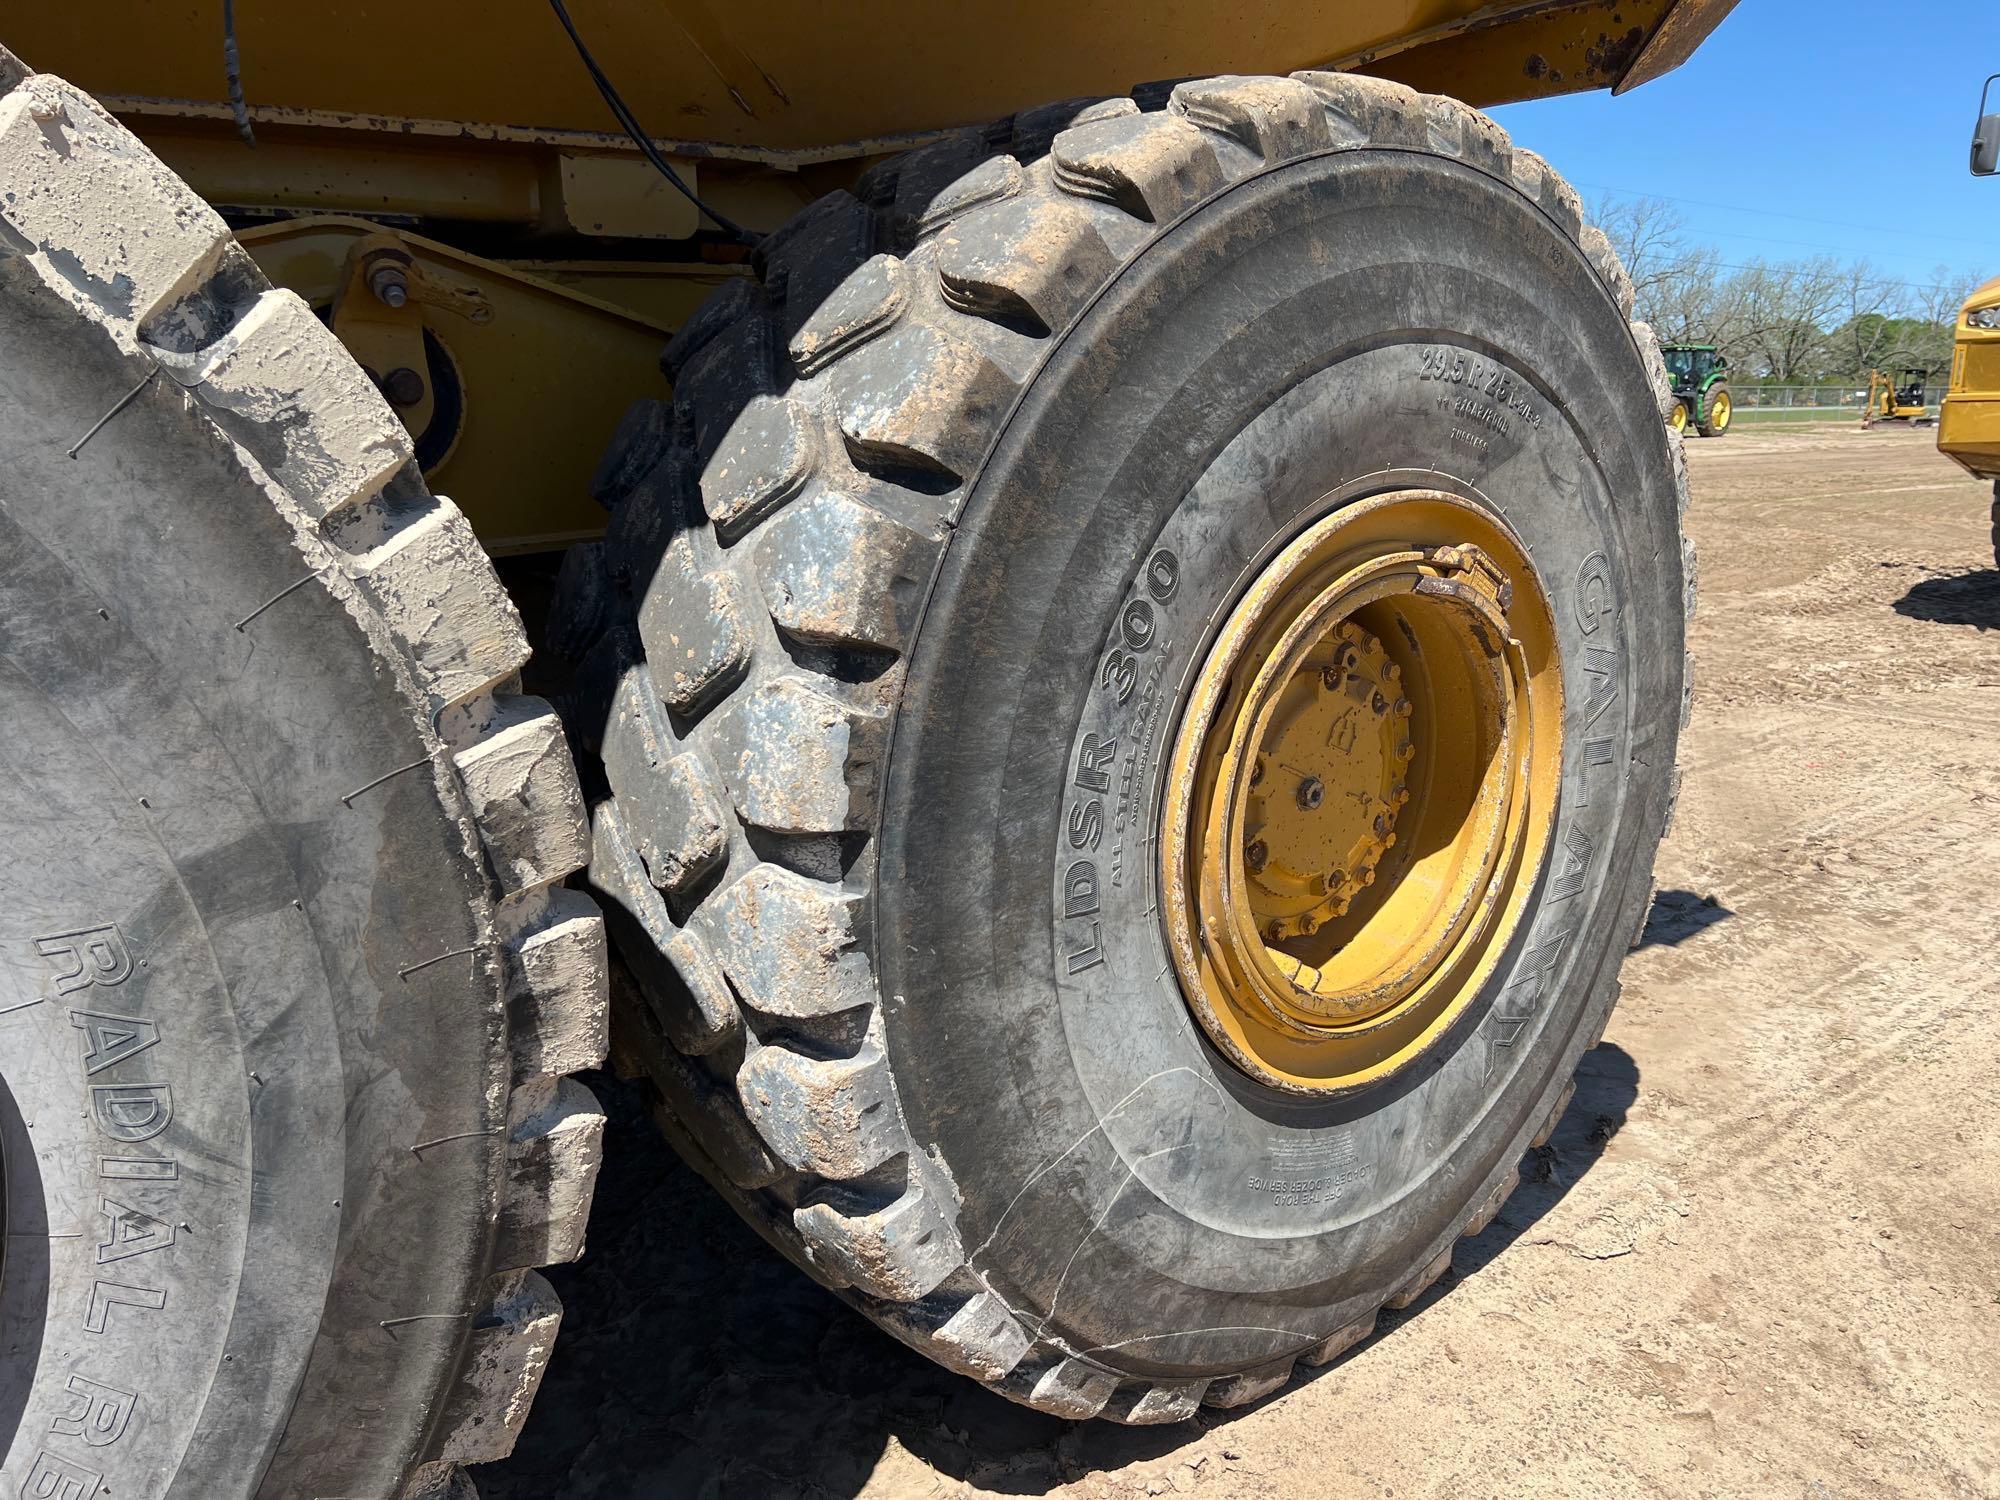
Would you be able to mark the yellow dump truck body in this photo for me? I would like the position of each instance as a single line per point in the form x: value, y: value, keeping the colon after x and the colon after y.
x: 1969, y: 421
x: 784, y: 78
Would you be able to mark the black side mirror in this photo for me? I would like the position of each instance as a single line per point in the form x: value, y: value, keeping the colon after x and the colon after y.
x: 1986, y: 146
x: 1986, y: 138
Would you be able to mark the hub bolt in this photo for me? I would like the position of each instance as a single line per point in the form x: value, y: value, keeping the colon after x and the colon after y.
x: 1311, y: 793
x: 390, y: 283
x: 1255, y: 855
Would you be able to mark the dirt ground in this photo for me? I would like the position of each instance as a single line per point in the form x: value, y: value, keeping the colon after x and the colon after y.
x: 1759, y: 1257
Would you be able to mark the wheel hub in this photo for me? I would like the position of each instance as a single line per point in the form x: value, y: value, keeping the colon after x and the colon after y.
x: 1327, y: 785
x: 1361, y: 790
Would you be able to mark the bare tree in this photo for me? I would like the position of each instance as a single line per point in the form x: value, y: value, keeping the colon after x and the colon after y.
x: 1788, y: 322
x: 1676, y: 285
x: 1867, y: 335
x: 1785, y: 309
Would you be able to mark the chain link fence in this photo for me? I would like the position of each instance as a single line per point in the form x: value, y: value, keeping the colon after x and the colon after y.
x: 1805, y: 402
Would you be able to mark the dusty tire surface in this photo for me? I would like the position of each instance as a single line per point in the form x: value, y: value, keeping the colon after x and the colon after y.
x: 867, y: 584
x: 289, y: 985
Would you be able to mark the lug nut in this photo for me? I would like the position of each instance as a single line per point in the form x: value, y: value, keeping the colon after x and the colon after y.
x: 1402, y: 708
x: 1329, y: 678
x: 1255, y: 855
x: 389, y: 282
x: 1368, y: 876
x: 1404, y: 751
x: 1381, y: 825
x: 1311, y: 793
x: 1401, y: 795
x: 1307, y: 926
x: 1379, y: 703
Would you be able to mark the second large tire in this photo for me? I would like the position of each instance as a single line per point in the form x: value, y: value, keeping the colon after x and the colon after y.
x: 289, y: 983
x: 862, y: 626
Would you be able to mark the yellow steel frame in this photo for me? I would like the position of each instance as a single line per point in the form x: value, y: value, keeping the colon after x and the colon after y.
x: 545, y: 369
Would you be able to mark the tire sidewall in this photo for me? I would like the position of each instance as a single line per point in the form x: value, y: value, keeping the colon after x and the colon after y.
x: 1332, y: 328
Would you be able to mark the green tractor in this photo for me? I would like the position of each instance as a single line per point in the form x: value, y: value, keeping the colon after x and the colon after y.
x: 1701, y: 391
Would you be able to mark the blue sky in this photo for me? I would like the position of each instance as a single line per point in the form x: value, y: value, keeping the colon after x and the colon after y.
x: 1801, y: 127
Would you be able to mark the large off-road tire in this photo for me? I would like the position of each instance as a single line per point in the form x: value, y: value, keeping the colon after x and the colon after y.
x: 981, y: 448
x: 1718, y: 408
x: 288, y: 980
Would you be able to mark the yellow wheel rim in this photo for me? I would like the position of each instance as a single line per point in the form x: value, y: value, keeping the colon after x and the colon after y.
x: 1718, y: 411
x: 1361, y: 791
x: 1679, y: 420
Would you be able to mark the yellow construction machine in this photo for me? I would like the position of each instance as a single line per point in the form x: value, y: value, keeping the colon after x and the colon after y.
x: 1969, y: 416
x: 1897, y: 396
x: 1002, y: 640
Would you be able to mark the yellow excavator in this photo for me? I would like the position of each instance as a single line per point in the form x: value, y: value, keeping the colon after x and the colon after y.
x: 1002, y: 641
x: 1897, y: 396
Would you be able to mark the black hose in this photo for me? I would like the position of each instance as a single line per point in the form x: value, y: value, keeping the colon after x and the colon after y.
x: 626, y: 118
x: 232, y: 67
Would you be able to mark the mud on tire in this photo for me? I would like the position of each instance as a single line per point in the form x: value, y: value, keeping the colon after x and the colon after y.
x: 860, y: 576
x: 290, y: 985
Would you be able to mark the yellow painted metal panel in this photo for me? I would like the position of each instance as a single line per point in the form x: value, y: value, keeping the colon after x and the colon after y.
x: 785, y: 75
x: 1969, y: 418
